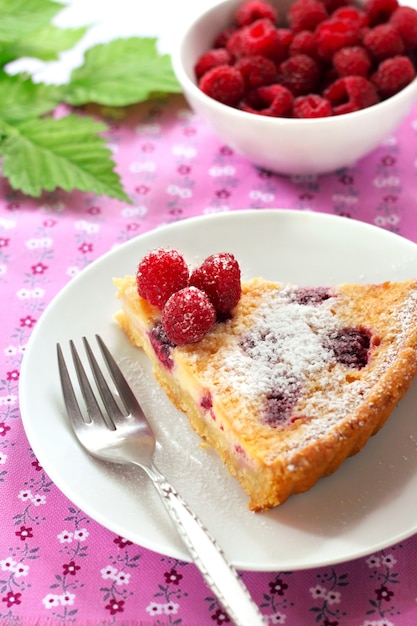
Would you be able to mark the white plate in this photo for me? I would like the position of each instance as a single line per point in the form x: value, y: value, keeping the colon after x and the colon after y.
x: 369, y: 503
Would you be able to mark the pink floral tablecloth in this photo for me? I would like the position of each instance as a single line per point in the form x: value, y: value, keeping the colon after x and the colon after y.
x: 57, y: 566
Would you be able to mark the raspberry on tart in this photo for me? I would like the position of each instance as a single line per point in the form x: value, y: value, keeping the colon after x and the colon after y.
x: 219, y: 277
x: 187, y: 316
x: 159, y: 274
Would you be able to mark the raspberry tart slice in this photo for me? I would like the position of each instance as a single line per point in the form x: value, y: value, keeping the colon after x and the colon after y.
x: 290, y: 381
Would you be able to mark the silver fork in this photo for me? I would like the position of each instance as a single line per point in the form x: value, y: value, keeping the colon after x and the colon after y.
x: 126, y: 437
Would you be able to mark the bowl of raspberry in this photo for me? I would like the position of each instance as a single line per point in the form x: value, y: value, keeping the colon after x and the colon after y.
x: 301, y: 86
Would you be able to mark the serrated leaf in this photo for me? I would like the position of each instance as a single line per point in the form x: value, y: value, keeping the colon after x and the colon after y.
x: 21, y: 99
x: 20, y: 18
x: 46, y: 43
x: 122, y: 72
x: 67, y: 153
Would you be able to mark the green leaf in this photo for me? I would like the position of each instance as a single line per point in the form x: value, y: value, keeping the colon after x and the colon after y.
x: 47, y: 43
x: 68, y: 153
x: 122, y: 72
x: 21, y: 99
x: 20, y: 18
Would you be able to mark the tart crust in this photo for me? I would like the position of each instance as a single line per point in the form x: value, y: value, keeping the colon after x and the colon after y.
x: 221, y: 382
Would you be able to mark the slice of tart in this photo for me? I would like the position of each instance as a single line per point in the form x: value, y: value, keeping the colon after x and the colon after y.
x: 290, y: 383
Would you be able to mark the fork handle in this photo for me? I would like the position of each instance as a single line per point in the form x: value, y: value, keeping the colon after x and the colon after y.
x: 208, y: 556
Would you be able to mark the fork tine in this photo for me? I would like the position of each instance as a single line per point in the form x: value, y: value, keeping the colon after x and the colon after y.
x: 93, y: 408
x: 106, y: 394
x: 70, y: 400
x: 126, y: 394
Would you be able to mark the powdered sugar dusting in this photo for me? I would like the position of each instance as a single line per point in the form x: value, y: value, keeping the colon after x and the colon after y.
x: 285, y: 345
x: 281, y: 353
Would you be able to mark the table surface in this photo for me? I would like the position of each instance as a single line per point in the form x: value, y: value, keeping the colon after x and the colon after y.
x: 58, y: 566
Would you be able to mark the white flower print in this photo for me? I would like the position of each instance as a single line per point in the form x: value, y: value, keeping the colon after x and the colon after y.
x: 72, y: 270
x: 3, y: 458
x: 42, y: 242
x: 186, y: 151
x: 373, y: 561
x: 65, y: 536
x: 333, y: 597
x: 21, y: 570
x: 81, y: 534
x: 136, y: 210
x: 155, y: 609
x: 109, y: 572
x: 50, y: 600
x: 87, y: 227
x: 7, y: 224
x: 9, y: 400
x: 10, y: 350
x: 23, y: 294
x: 227, y: 170
x: 67, y: 598
x: 171, y: 608
x: 8, y: 565
x: 146, y: 166
x: 39, y: 499
x: 318, y: 591
x: 277, y: 618
x: 122, y: 578
x: 25, y: 495
x: 38, y: 292
x: 3, y: 269
x: 388, y: 560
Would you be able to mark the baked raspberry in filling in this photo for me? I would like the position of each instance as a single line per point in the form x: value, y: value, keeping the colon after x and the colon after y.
x: 350, y: 346
x: 161, y: 344
x: 311, y: 295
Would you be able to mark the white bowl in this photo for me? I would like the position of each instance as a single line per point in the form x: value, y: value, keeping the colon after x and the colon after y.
x: 287, y: 146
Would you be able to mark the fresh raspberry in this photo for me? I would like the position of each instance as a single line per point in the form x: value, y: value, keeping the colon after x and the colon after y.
x: 392, y: 75
x: 257, y: 71
x: 187, y: 316
x: 334, y: 34
x: 404, y: 19
x: 333, y: 5
x: 224, y: 36
x: 272, y: 100
x: 304, y: 42
x: 300, y: 74
x: 212, y: 58
x: 224, y: 84
x: 159, y: 274
x: 312, y: 106
x: 285, y: 36
x: 352, y: 61
x: 219, y: 277
x: 379, y: 11
x: 383, y: 41
x: 253, y: 10
x: 351, y: 14
x: 259, y: 38
x: 350, y: 93
x: 306, y: 15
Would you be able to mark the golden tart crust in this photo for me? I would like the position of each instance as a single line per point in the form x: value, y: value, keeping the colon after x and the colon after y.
x: 264, y: 388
